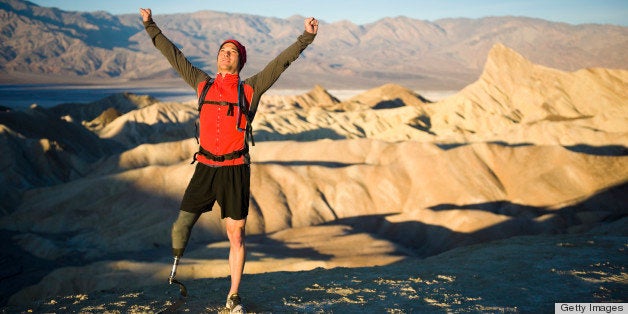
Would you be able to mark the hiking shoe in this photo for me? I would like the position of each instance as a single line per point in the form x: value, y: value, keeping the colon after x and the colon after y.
x: 234, y: 305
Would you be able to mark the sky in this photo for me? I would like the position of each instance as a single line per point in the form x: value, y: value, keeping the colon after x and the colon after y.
x: 367, y: 11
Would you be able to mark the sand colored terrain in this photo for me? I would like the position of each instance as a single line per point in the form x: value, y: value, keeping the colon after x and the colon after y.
x: 384, y: 202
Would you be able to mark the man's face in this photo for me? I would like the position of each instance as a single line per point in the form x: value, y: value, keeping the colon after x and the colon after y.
x: 228, y: 59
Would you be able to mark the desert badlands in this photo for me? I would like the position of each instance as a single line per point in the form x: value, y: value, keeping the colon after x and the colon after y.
x: 508, y: 196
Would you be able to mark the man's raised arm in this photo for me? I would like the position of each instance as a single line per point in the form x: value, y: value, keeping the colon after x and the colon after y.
x: 269, y: 75
x: 190, y: 74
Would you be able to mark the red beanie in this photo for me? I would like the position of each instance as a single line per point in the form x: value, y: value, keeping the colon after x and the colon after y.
x: 241, y: 52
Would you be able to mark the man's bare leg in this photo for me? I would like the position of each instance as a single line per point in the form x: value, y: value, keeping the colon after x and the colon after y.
x: 237, y: 251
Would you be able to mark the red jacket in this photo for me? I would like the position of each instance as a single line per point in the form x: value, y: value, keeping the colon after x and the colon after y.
x: 218, y: 132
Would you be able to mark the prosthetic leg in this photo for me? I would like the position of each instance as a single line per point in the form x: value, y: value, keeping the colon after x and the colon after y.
x: 180, y: 236
x: 183, y: 291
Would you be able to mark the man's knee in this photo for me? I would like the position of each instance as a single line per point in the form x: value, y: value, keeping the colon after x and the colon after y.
x: 235, y: 230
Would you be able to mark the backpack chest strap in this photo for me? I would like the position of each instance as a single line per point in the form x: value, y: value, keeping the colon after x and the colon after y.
x: 222, y: 103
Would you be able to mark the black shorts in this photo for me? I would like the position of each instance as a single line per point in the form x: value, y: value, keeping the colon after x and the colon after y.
x: 229, y: 185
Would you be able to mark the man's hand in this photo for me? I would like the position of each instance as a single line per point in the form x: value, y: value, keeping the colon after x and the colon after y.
x: 311, y: 25
x: 147, y: 15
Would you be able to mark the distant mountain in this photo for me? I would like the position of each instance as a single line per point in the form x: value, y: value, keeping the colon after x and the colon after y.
x: 49, y: 45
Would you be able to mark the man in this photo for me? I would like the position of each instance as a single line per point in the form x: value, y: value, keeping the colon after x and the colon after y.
x: 222, y: 173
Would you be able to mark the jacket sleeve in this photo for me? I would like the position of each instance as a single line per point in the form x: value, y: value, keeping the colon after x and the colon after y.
x: 191, y: 74
x: 263, y: 80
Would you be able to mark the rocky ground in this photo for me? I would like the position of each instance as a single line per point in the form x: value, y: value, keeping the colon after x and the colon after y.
x: 526, y: 274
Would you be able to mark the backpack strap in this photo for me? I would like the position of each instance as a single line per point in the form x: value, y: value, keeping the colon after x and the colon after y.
x: 251, y: 112
x: 246, y: 110
x: 201, y: 99
x: 222, y: 103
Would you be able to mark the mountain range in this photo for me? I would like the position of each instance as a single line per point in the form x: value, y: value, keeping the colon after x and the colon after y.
x: 48, y: 45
